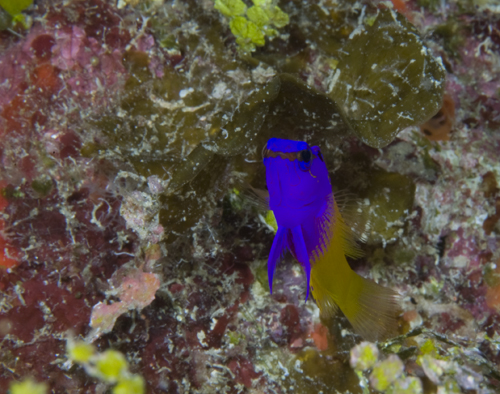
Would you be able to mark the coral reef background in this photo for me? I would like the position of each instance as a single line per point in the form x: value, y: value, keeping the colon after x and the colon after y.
x: 129, y: 132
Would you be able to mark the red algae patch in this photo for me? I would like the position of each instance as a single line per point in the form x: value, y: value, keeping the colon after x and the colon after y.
x: 243, y: 371
x: 45, y: 78
x: 7, y: 253
x: 42, y: 46
x: 290, y: 319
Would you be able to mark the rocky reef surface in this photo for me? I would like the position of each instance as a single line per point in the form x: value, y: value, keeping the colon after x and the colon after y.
x: 133, y: 257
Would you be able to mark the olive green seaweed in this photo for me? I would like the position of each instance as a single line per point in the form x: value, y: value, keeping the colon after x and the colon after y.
x: 284, y: 104
x: 386, y: 79
x: 203, y: 121
x: 391, y: 200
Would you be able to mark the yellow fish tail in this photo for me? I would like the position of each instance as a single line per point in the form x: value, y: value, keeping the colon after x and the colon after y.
x: 371, y: 309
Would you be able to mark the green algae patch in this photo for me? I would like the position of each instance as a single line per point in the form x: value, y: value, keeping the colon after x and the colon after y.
x: 312, y: 372
x: 386, y: 79
x: 390, y: 199
x: 429, y: 348
x: 386, y: 372
x: 130, y: 385
x: 251, y: 26
x: 261, y: 276
x: 364, y: 356
x: 270, y: 220
x: 408, y: 385
x: 110, y: 366
x: 42, y: 185
x: 28, y: 386
x: 15, y: 7
x: 80, y: 352
x: 230, y: 8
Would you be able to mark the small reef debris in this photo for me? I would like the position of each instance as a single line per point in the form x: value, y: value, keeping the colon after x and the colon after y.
x: 440, y: 126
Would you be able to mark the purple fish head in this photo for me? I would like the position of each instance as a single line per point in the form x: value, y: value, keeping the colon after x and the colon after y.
x: 299, y: 187
x: 297, y: 180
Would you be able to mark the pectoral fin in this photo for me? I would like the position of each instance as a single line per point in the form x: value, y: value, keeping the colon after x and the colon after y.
x: 301, y: 253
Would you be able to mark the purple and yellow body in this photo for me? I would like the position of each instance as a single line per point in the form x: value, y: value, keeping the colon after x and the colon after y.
x: 311, y: 227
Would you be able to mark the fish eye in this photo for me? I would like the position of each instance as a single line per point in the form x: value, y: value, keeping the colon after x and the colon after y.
x: 304, y: 157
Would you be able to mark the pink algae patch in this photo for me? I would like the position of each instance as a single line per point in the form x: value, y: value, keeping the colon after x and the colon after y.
x: 135, y: 292
x: 139, y: 291
x: 104, y: 316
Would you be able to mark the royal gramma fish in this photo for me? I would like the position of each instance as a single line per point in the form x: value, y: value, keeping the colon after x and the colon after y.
x: 311, y: 227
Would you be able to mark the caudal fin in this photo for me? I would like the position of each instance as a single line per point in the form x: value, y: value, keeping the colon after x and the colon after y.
x: 371, y: 309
